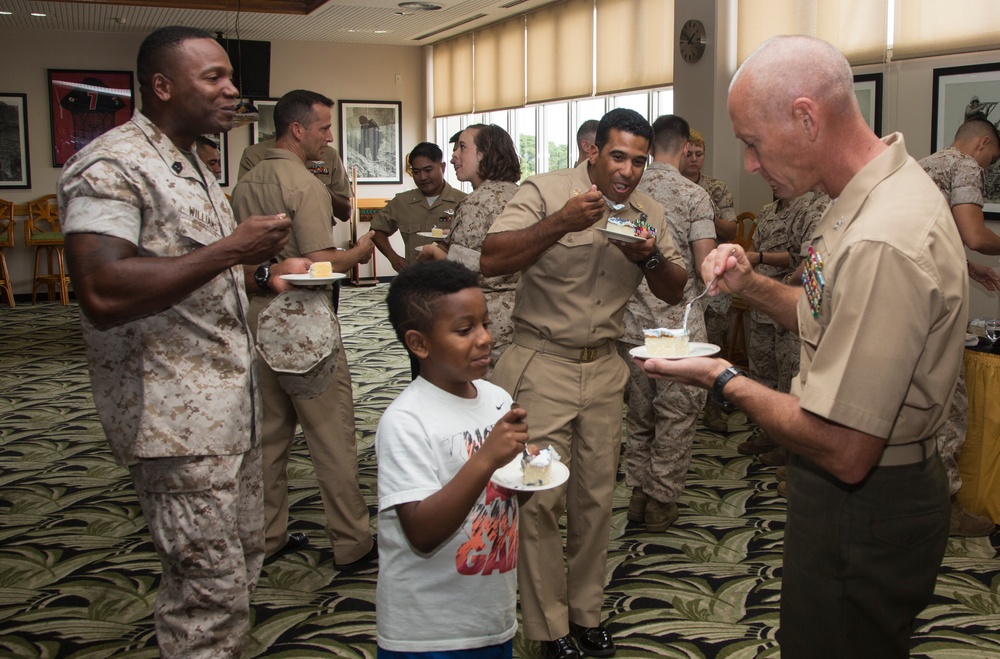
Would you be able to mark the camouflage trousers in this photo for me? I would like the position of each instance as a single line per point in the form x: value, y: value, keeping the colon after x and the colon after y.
x: 661, y: 420
x: 206, y: 518
x: 950, y: 437
x: 717, y: 319
x: 773, y: 354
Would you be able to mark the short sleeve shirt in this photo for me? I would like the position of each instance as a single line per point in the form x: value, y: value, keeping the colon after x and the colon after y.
x: 882, y: 354
x: 409, y: 213
x: 690, y: 216
x: 786, y: 228
x: 957, y: 175
x: 721, y: 197
x: 133, y: 183
x: 473, y: 217
x: 330, y: 170
x: 283, y: 184
x: 575, y: 293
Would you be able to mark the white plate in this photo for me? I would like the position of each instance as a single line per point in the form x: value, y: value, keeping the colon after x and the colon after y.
x: 621, y: 237
x: 696, y: 349
x: 511, y: 476
x: 428, y: 234
x: 306, y: 280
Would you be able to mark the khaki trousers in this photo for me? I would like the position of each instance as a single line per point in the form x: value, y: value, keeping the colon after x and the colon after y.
x: 577, y: 408
x: 328, y: 425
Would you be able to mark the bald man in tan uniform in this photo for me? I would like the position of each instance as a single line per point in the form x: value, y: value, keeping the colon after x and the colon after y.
x: 564, y: 369
x: 868, y: 507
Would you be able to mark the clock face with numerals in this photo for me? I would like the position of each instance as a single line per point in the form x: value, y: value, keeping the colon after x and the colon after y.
x: 692, y: 41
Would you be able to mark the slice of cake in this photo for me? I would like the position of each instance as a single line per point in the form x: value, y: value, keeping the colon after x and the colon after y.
x: 437, y: 232
x: 537, y: 464
x: 618, y: 225
x: 663, y: 342
x: 321, y: 270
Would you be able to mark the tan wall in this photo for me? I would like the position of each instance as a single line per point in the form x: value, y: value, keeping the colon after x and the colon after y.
x: 341, y: 71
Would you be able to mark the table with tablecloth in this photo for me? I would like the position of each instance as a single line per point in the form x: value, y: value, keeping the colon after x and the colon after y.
x: 979, y: 461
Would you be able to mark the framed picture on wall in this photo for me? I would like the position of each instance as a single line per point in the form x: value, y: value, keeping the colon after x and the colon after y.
x: 15, y: 167
x: 263, y: 129
x: 85, y: 104
x: 964, y: 92
x: 868, y: 90
x: 371, y: 140
x: 222, y: 142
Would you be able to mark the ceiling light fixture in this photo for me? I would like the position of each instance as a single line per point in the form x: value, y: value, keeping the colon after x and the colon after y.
x: 38, y: 14
x: 245, y: 111
x: 419, y: 6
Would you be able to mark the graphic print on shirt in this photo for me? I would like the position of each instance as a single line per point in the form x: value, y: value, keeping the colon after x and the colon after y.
x: 492, y: 543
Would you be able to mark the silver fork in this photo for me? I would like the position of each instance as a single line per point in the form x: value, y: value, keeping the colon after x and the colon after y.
x: 687, y: 309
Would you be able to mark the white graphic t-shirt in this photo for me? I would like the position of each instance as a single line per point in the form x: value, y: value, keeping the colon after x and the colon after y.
x: 463, y: 594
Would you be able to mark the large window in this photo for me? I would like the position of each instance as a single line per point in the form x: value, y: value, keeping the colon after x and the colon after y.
x: 545, y: 135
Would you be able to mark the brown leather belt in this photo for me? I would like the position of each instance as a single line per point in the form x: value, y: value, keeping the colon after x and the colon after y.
x: 899, y: 455
x: 584, y: 355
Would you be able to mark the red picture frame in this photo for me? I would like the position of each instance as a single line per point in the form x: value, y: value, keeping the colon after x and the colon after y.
x: 84, y: 104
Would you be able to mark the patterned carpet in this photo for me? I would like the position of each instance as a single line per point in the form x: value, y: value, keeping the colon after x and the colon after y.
x: 78, y: 574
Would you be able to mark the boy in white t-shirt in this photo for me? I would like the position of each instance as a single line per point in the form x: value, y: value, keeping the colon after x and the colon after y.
x: 447, y: 585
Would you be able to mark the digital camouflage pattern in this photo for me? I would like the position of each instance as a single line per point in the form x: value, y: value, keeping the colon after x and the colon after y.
x: 958, y: 176
x: 473, y: 217
x: 662, y: 416
x: 961, y: 181
x: 175, y: 390
x: 178, y: 382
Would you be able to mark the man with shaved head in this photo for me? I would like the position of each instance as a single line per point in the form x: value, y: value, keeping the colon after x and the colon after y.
x: 881, y: 317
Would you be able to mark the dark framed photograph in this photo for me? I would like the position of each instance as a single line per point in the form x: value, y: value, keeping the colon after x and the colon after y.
x: 15, y: 167
x: 964, y: 92
x: 263, y: 129
x: 85, y: 104
x: 371, y: 140
x: 868, y: 90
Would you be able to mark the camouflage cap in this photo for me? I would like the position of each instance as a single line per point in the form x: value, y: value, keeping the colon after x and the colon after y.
x: 298, y: 336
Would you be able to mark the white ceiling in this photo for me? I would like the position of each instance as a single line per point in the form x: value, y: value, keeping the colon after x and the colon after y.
x: 377, y: 22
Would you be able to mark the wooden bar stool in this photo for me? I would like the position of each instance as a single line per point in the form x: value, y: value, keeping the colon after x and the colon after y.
x: 43, y: 232
x: 6, y: 240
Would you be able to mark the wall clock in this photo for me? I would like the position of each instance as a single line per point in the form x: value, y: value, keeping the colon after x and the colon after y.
x: 692, y: 41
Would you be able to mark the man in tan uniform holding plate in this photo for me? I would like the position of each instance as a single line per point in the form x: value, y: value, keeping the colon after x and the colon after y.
x: 881, y: 316
x: 563, y: 367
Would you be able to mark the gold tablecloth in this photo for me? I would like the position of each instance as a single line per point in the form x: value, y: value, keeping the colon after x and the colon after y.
x: 979, y: 460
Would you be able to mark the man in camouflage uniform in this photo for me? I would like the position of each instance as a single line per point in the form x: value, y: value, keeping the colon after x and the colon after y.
x: 159, y: 266
x: 717, y: 308
x: 784, y: 228
x: 959, y: 172
x: 662, y: 415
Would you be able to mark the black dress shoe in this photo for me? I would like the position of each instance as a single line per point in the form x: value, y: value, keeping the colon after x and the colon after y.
x: 295, y: 542
x: 366, y: 561
x: 593, y: 641
x: 561, y: 648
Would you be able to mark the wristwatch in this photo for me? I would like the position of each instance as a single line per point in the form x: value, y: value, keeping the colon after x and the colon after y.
x: 720, y: 384
x: 261, y: 276
x: 652, y: 261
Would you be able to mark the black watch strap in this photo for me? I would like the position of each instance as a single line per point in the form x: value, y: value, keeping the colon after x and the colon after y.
x: 652, y: 261
x: 262, y: 276
x: 720, y: 384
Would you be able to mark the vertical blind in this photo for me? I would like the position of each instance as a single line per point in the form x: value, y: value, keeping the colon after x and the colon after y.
x: 635, y: 44
x: 452, y: 66
x: 856, y: 27
x: 560, y: 47
x: 498, y: 63
x: 938, y: 27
